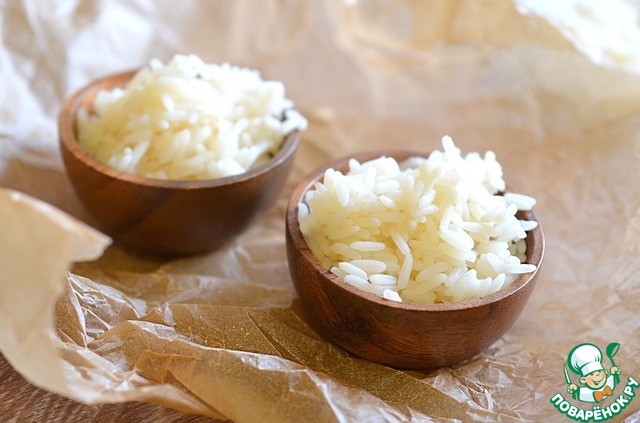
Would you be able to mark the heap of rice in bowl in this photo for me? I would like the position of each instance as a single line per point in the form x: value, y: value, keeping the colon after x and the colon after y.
x: 428, y: 230
x: 189, y: 120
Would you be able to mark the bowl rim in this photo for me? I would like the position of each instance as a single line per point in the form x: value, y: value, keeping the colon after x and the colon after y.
x: 68, y: 139
x: 299, y: 243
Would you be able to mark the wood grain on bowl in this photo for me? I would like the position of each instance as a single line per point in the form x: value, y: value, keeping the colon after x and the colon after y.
x: 167, y: 217
x: 401, y: 335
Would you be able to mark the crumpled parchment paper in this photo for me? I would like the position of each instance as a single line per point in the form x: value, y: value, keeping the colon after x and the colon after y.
x: 220, y: 334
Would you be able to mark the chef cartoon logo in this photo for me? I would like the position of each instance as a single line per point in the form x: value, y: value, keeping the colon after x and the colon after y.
x: 585, y: 360
x: 594, y: 384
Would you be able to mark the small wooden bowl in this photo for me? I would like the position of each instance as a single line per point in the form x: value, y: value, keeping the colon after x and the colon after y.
x: 166, y: 217
x: 401, y: 335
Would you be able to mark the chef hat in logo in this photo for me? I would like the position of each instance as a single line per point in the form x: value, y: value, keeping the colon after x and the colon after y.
x: 585, y: 359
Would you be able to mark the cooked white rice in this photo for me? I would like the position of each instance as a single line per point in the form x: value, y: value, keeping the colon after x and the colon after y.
x: 189, y: 120
x: 424, y: 231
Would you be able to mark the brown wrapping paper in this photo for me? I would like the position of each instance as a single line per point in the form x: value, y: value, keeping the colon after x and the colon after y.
x: 220, y: 334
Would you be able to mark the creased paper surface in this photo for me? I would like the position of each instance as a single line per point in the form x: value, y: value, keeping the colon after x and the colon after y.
x: 220, y: 334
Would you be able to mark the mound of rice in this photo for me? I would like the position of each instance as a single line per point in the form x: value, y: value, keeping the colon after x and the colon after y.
x: 189, y: 120
x: 423, y: 231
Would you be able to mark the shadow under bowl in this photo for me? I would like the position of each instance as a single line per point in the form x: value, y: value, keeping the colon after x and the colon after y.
x: 401, y: 335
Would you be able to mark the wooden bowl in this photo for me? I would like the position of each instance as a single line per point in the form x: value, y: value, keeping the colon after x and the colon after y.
x: 401, y: 335
x: 166, y: 217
